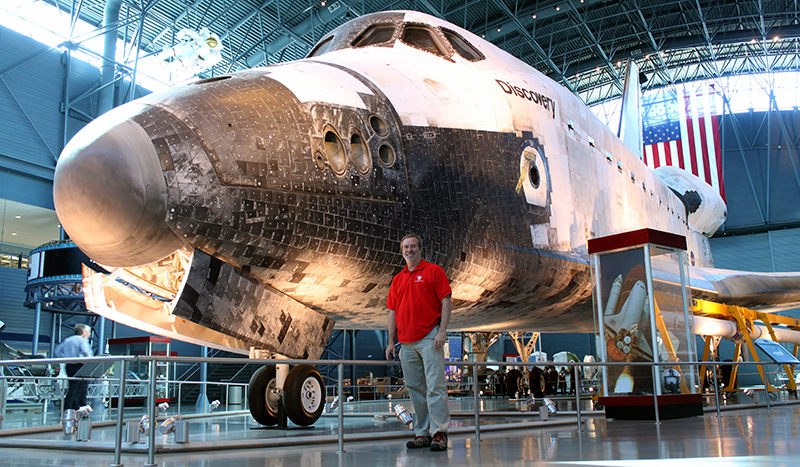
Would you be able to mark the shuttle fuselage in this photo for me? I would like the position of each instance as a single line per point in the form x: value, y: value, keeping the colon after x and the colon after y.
x: 303, y: 177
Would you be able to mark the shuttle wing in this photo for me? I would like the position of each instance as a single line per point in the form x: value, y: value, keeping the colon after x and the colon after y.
x: 773, y: 291
x: 759, y: 290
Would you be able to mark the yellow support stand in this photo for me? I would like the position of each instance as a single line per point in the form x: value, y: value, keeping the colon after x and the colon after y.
x: 662, y: 328
x: 745, y: 325
x: 706, y: 355
x: 744, y: 319
x: 789, y: 369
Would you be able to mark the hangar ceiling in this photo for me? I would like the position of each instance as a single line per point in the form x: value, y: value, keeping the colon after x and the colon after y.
x: 582, y: 44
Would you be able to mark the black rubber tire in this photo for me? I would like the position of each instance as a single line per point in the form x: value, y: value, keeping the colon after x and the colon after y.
x: 304, y: 395
x: 537, y: 381
x: 261, y: 385
x: 513, y: 378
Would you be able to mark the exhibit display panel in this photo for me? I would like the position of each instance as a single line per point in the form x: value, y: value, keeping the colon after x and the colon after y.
x: 641, y: 308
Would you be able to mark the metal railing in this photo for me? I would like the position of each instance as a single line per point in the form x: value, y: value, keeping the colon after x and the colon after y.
x: 14, y: 256
x: 153, y: 381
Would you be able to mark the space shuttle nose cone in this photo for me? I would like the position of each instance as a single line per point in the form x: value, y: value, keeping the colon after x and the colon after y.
x: 110, y: 195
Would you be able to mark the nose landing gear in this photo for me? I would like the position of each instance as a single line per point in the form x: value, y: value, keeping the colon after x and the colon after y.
x: 301, y: 396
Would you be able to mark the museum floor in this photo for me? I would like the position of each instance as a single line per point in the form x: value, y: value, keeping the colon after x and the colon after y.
x: 746, y: 436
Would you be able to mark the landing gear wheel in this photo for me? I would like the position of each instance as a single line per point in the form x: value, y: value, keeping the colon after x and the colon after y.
x: 538, y: 384
x: 513, y: 379
x: 304, y: 395
x: 261, y: 396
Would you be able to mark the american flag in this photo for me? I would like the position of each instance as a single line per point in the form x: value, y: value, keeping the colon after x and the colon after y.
x: 690, y: 139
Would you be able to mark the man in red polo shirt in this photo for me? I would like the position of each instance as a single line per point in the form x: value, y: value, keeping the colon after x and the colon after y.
x: 419, y: 310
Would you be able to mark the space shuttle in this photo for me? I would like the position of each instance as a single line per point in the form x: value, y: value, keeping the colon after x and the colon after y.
x: 263, y: 208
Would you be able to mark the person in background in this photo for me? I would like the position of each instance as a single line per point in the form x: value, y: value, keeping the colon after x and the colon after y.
x: 552, y: 380
x: 419, y: 311
x: 76, y: 346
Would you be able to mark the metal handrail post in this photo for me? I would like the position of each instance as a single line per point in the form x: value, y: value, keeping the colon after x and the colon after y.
x: 578, y: 395
x: 110, y: 397
x: 340, y: 367
x: 716, y: 396
x: 180, y: 384
x: 37, y: 317
x: 655, y: 393
x: 151, y: 411
x: 716, y: 389
x: 61, y: 388
x: 4, y: 393
x: 120, y: 415
x: 477, y: 404
x: 766, y: 393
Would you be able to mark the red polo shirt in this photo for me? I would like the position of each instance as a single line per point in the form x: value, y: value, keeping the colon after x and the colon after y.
x: 416, y: 297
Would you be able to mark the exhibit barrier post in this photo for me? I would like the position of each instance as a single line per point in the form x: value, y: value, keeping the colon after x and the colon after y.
x: 4, y: 395
x: 477, y: 404
x: 120, y: 409
x: 151, y: 410
x: 110, y: 389
x: 716, y: 397
x: 340, y: 368
x: 655, y: 392
x: 577, y: 381
x: 766, y: 392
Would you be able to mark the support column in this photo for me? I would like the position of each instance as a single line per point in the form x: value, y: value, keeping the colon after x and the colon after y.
x: 353, y: 367
x: 53, y: 339
x: 36, y: 323
x: 524, y: 349
x: 101, y: 336
x: 202, y: 399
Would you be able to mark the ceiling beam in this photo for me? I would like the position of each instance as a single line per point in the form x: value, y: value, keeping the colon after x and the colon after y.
x: 524, y: 32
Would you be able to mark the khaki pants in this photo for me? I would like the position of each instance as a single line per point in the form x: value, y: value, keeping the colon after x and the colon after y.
x: 423, y: 370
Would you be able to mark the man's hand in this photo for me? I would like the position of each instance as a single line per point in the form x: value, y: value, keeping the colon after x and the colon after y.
x: 440, y: 339
x: 392, y: 328
x: 390, y: 352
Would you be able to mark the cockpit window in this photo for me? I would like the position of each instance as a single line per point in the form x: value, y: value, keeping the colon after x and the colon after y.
x: 322, y: 47
x: 421, y: 38
x: 376, y: 34
x: 462, y: 47
x: 384, y: 32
